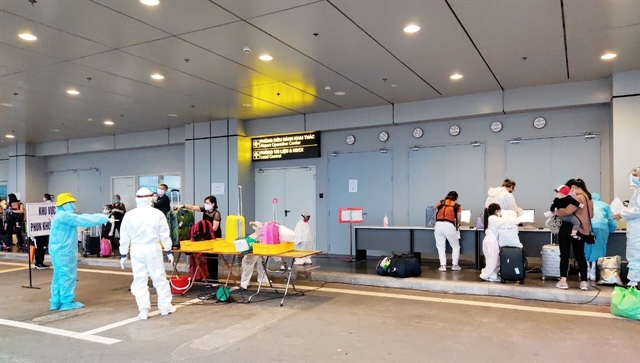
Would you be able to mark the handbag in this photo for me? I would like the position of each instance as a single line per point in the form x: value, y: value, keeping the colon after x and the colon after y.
x: 588, y: 238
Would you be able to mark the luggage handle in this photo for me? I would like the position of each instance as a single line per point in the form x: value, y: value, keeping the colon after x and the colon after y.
x: 274, y: 201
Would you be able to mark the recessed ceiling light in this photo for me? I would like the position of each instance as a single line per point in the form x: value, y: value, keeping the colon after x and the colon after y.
x: 246, y: 104
x: 265, y: 57
x: 150, y: 2
x: 412, y: 28
x: 27, y: 36
x: 172, y: 115
x: 394, y: 85
x: 6, y: 104
x: 9, y: 136
x: 108, y: 123
x: 456, y: 76
x: 157, y: 76
x: 55, y: 130
x: 609, y: 56
x: 339, y: 93
x: 73, y: 92
x: 90, y: 120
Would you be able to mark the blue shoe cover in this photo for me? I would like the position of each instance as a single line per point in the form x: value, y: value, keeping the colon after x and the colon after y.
x: 53, y: 307
x: 72, y: 306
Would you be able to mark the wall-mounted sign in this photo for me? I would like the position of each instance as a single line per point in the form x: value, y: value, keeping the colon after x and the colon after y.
x: 283, y: 147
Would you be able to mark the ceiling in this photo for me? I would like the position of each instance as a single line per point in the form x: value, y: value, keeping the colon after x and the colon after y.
x: 108, y: 50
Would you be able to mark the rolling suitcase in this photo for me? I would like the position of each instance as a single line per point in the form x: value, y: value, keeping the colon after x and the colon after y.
x: 91, y: 246
x: 235, y: 226
x: 550, y: 255
x: 512, y: 264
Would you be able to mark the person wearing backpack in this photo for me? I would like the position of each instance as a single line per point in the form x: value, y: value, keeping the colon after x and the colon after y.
x: 210, y: 213
x: 447, y: 222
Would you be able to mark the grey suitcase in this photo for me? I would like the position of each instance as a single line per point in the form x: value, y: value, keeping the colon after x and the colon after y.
x: 550, y: 255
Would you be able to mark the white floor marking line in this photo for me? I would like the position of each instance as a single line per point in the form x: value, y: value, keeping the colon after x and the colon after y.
x: 14, y: 269
x: 107, y: 272
x: 13, y: 263
x: 60, y: 332
x: 132, y: 320
x: 463, y: 302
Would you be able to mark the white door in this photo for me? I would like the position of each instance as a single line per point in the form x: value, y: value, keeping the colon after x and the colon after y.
x: 125, y: 186
x: 295, y: 189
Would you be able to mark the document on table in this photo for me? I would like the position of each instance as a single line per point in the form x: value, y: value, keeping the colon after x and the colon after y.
x: 616, y: 206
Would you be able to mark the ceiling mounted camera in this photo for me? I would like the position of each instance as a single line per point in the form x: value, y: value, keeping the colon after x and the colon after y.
x: 327, y: 88
x: 247, y: 50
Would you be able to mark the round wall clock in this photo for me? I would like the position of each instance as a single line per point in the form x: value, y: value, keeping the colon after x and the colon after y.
x: 351, y: 140
x: 454, y: 130
x: 418, y: 132
x: 496, y: 126
x: 384, y: 136
x: 539, y: 122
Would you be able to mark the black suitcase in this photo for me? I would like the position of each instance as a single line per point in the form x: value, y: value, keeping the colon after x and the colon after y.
x: 404, y: 266
x: 512, y: 264
x: 91, y: 246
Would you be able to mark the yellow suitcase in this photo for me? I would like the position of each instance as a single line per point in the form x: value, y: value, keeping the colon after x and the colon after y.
x: 235, y: 227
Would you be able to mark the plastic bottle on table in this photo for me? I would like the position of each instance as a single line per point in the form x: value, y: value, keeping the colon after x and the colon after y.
x: 385, y: 221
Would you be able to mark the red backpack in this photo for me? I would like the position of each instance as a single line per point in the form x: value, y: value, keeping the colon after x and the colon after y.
x: 202, y: 231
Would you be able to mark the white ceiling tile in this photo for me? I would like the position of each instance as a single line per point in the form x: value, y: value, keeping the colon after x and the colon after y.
x: 589, y: 16
x: 86, y: 19
x: 251, y: 8
x: 17, y: 59
x: 50, y: 42
x: 174, y: 16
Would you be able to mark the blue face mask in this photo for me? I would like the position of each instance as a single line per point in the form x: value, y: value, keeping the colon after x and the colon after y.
x: 635, y: 180
x: 115, y: 201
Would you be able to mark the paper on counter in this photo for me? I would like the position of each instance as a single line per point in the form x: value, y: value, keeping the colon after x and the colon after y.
x: 616, y: 206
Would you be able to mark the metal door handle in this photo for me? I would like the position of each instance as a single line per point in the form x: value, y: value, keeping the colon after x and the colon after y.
x: 286, y: 212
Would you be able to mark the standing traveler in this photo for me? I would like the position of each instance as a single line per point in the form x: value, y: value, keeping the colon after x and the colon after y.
x: 210, y: 213
x: 447, y: 222
x: 63, y: 249
x: 15, y: 222
x: 3, y: 224
x: 163, y: 203
x: 42, y: 242
x: 118, y: 209
x: 503, y: 196
x: 142, y: 229
x: 631, y: 214
x: 580, y: 192
x: 602, y: 224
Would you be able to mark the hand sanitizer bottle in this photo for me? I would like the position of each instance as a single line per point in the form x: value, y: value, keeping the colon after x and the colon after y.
x: 385, y: 221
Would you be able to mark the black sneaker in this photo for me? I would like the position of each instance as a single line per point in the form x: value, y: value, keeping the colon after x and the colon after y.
x: 41, y: 267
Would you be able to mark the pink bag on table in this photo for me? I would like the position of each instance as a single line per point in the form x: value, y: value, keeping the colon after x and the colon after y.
x: 270, y: 233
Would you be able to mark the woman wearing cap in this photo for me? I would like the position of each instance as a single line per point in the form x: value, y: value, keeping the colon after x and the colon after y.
x: 580, y: 193
x: 631, y: 214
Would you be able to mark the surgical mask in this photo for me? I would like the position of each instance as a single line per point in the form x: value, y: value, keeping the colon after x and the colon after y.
x: 635, y: 180
x: 208, y: 207
x: 160, y: 192
x: 115, y: 201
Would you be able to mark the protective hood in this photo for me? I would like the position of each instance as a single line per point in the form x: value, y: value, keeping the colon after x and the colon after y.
x: 144, y: 198
x: 595, y: 196
x: 67, y: 207
x: 494, y: 192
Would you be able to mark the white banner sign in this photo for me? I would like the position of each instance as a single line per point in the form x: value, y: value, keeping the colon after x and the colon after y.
x: 39, y: 216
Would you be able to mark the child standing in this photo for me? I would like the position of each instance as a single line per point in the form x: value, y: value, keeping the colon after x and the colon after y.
x: 562, y: 200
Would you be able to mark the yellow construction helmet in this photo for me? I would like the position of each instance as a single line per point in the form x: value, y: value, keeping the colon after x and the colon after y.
x: 64, y: 198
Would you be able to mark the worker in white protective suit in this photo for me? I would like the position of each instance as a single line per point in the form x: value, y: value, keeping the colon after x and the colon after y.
x: 490, y: 243
x: 249, y: 261
x: 503, y: 196
x: 631, y: 214
x: 145, y: 229
x: 304, y: 238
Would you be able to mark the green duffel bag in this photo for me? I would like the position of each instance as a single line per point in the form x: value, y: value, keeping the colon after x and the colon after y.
x: 626, y: 302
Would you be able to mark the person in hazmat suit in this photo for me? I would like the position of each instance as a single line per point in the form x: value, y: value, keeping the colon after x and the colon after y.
x: 631, y: 214
x: 490, y: 243
x: 63, y: 249
x: 249, y: 261
x: 304, y: 238
x: 145, y: 229
x: 602, y: 224
x: 503, y: 196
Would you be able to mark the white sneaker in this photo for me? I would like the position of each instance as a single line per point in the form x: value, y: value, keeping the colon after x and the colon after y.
x: 442, y: 268
x: 584, y: 285
x: 144, y: 314
x: 298, y: 262
x: 170, y: 311
x: 632, y: 283
x: 456, y: 268
x: 562, y: 285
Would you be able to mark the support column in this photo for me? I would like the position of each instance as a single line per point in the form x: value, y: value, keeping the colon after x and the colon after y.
x: 626, y: 130
x: 27, y: 173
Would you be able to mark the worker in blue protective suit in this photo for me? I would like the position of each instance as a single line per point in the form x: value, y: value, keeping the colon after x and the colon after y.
x: 602, y: 224
x: 631, y: 214
x: 63, y: 248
